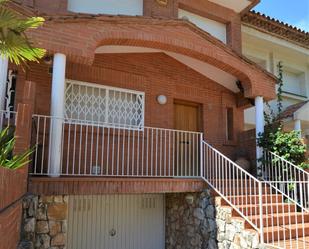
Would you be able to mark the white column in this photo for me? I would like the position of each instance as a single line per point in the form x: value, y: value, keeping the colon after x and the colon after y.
x: 3, y: 77
x: 57, y: 113
x: 259, y: 126
x: 297, y: 126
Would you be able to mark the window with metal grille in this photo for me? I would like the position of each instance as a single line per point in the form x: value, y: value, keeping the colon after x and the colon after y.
x: 87, y: 102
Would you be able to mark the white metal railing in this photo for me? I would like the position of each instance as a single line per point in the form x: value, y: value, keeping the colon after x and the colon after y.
x: 7, y: 119
x: 287, y: 177
x: 280, y: 221
x: 98, y: 149
x: 235, y: 185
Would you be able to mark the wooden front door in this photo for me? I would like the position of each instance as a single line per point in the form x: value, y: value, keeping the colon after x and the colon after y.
x: 187, y: 117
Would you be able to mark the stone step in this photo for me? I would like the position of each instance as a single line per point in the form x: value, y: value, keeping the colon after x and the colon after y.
x: 254, y: 199
x: 235, y: 191
x: 267, y: 209
x: 280, y: 219
x: 300, y: 243
x: 286, y: 232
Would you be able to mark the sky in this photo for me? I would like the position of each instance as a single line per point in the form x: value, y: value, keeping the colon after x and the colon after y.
x: 294, y: 12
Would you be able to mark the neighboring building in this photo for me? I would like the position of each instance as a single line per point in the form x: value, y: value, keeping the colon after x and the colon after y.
x: 267, y: 42
x: 136, y: 115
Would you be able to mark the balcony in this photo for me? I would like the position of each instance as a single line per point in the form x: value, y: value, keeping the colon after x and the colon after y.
x: 97, y: 153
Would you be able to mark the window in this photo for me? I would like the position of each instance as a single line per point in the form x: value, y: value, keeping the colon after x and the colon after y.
x: 86, y: 102
x: 215, y: 28
x: 111, y: 7
x: 294, y: 82
x: 229, y: 124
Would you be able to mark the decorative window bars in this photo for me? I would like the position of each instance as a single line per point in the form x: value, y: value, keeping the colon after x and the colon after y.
x: 10, y: 92
x: 110, y: 106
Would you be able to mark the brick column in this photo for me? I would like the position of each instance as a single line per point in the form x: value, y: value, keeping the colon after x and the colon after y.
x: 24, y: 118
x: 233, y: 34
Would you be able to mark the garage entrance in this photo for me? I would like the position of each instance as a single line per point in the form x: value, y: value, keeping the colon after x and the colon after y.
x: 116, y: 222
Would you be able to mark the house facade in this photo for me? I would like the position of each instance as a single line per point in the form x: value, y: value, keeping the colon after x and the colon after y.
x: 136, y: 115
x: 268, y: 42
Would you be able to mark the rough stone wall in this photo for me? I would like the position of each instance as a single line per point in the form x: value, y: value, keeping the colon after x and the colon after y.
x: 231, y: 232
x: 193, y: 220
x: 190, y: 225
x: 44, y: 222
x: 205, y: 224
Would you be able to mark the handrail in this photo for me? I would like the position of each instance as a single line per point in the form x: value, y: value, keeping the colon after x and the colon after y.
x: 218, y: 172
x: 278, y: 217
x: 99, y: 149
x: 287, y: 177
x: 103, y: 124
x: 277, y: 157
x: 96, y: 149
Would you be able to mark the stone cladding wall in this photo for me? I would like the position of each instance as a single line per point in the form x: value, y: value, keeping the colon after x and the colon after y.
x: 193, y: 221
x: 200, y: 221
x: 44, y: 222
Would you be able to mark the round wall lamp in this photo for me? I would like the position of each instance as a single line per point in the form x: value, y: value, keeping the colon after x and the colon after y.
x: 162, y: 99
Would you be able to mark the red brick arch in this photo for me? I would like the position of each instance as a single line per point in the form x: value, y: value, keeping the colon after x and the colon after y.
x: 80, y: 39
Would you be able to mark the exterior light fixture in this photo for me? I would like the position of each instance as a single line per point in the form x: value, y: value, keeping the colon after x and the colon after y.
x: 189, y: 199
x: 162, y: 99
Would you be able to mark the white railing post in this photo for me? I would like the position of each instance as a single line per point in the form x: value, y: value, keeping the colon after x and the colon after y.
x: 201, y: 155
x: 57, y: 110
x: 261, y: 212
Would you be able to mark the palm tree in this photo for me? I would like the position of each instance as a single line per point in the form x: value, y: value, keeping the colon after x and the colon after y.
x: 14, y: 43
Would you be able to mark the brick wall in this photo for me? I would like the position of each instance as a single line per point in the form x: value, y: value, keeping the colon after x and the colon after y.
x: 13, y: 182
x: 10, y: 221
x: 247, y: 143
x: 79, y: 38
x: 155, y: 9
x: 170, y: 10
x: 47, y: 6
x: 220, y: 14
x: 153, y: 74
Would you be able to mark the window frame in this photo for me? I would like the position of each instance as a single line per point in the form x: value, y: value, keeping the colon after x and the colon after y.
x: 106, y: 124
x: 228, y: 129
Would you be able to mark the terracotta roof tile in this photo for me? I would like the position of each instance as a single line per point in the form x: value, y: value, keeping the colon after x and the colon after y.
x: 275, y: 27
x: 289, y: 111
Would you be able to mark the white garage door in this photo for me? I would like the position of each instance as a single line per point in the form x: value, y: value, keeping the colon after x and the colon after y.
x: 116, y: 222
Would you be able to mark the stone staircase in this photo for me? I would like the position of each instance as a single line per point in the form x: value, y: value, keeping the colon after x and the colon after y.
x: 284, y: 226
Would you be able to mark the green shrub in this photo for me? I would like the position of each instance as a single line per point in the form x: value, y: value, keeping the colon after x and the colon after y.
x: 285, y: 144
x: 304, y: 165
x: 7, y: 159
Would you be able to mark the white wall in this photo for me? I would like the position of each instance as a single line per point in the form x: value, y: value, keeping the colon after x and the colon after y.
x: 216, y: 29
x: 124, y: 7
x: 267, y: 51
